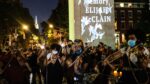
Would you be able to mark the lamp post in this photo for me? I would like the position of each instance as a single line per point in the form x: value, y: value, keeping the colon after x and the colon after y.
x: 25, y: 28
x: 51, y: 25
x: 58, y: 32
x: 60, y: 29
x: 50, y: 30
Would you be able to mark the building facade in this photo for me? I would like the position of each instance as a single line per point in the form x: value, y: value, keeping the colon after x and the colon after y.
x: 128, y: 13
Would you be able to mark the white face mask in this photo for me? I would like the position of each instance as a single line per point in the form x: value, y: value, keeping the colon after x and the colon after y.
x: 62, y: 45
x: 54, y: 52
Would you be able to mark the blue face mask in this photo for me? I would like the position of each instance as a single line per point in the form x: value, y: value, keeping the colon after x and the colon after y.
x: 131, y: 43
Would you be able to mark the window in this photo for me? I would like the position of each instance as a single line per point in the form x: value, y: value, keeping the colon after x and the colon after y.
x: 139, y: 13
x: 115, y: 25
x: 130, y: 14
x: 125, y: 5
x: 141, y: 5
x: 129, y: 5
x: 121, y: 4
x: 117, y: 5
x: 122, y: 14
x: 115, y: 13
x: 130, y: 24
x: 122, y: 24
x: 135, y: 5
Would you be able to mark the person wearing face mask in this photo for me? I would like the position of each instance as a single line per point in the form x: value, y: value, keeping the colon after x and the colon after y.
x: 137, y: 52
x: 131, y: 44
x: 54, y: 69
x: 132, y: 64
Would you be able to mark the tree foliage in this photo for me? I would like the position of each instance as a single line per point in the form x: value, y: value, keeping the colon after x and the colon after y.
x: 60, y: 15
x: 12, y: 16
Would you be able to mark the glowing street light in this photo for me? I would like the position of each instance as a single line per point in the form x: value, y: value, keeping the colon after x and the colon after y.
x: 51, y: 26
x: 25, y: 27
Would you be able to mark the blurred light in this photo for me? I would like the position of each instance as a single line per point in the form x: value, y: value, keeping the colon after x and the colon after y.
x: 25, y: 27
x: 62, y: 45
x: 120, y: 74
x: 51, y: 26
x: 123, y: 38
x: 49, y: 31
x: 49, y: 35
x: 121, y: 4
x: 115, y: 25
x: 75, y: 78
x: 35, y: 38
x: 129, y: 4
x: 42, y: 46
x: 115, y: 73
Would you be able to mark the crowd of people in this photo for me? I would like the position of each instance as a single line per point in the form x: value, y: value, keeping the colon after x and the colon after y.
x: 74, y: 63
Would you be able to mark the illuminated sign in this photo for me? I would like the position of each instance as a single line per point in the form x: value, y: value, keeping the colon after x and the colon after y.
x: 94, y: 21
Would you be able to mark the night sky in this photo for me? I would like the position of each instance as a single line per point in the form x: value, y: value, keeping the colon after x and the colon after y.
x: 40, y: 8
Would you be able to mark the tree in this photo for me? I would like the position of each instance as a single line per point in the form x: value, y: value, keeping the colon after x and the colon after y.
x: 44, y: 26
x: 12, y: 17
x: 60, y: 16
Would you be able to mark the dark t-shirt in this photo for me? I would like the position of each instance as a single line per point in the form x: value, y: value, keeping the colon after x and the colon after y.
x: 105, y: 72
x: 54, y: 73
x: 132, y: 73
x: 32, y: 60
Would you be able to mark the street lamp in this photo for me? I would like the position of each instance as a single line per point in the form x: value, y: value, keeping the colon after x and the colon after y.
x: 51, y: 26
x: 50, y: 30
x: 25, y: 27
x: 56, y: 31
